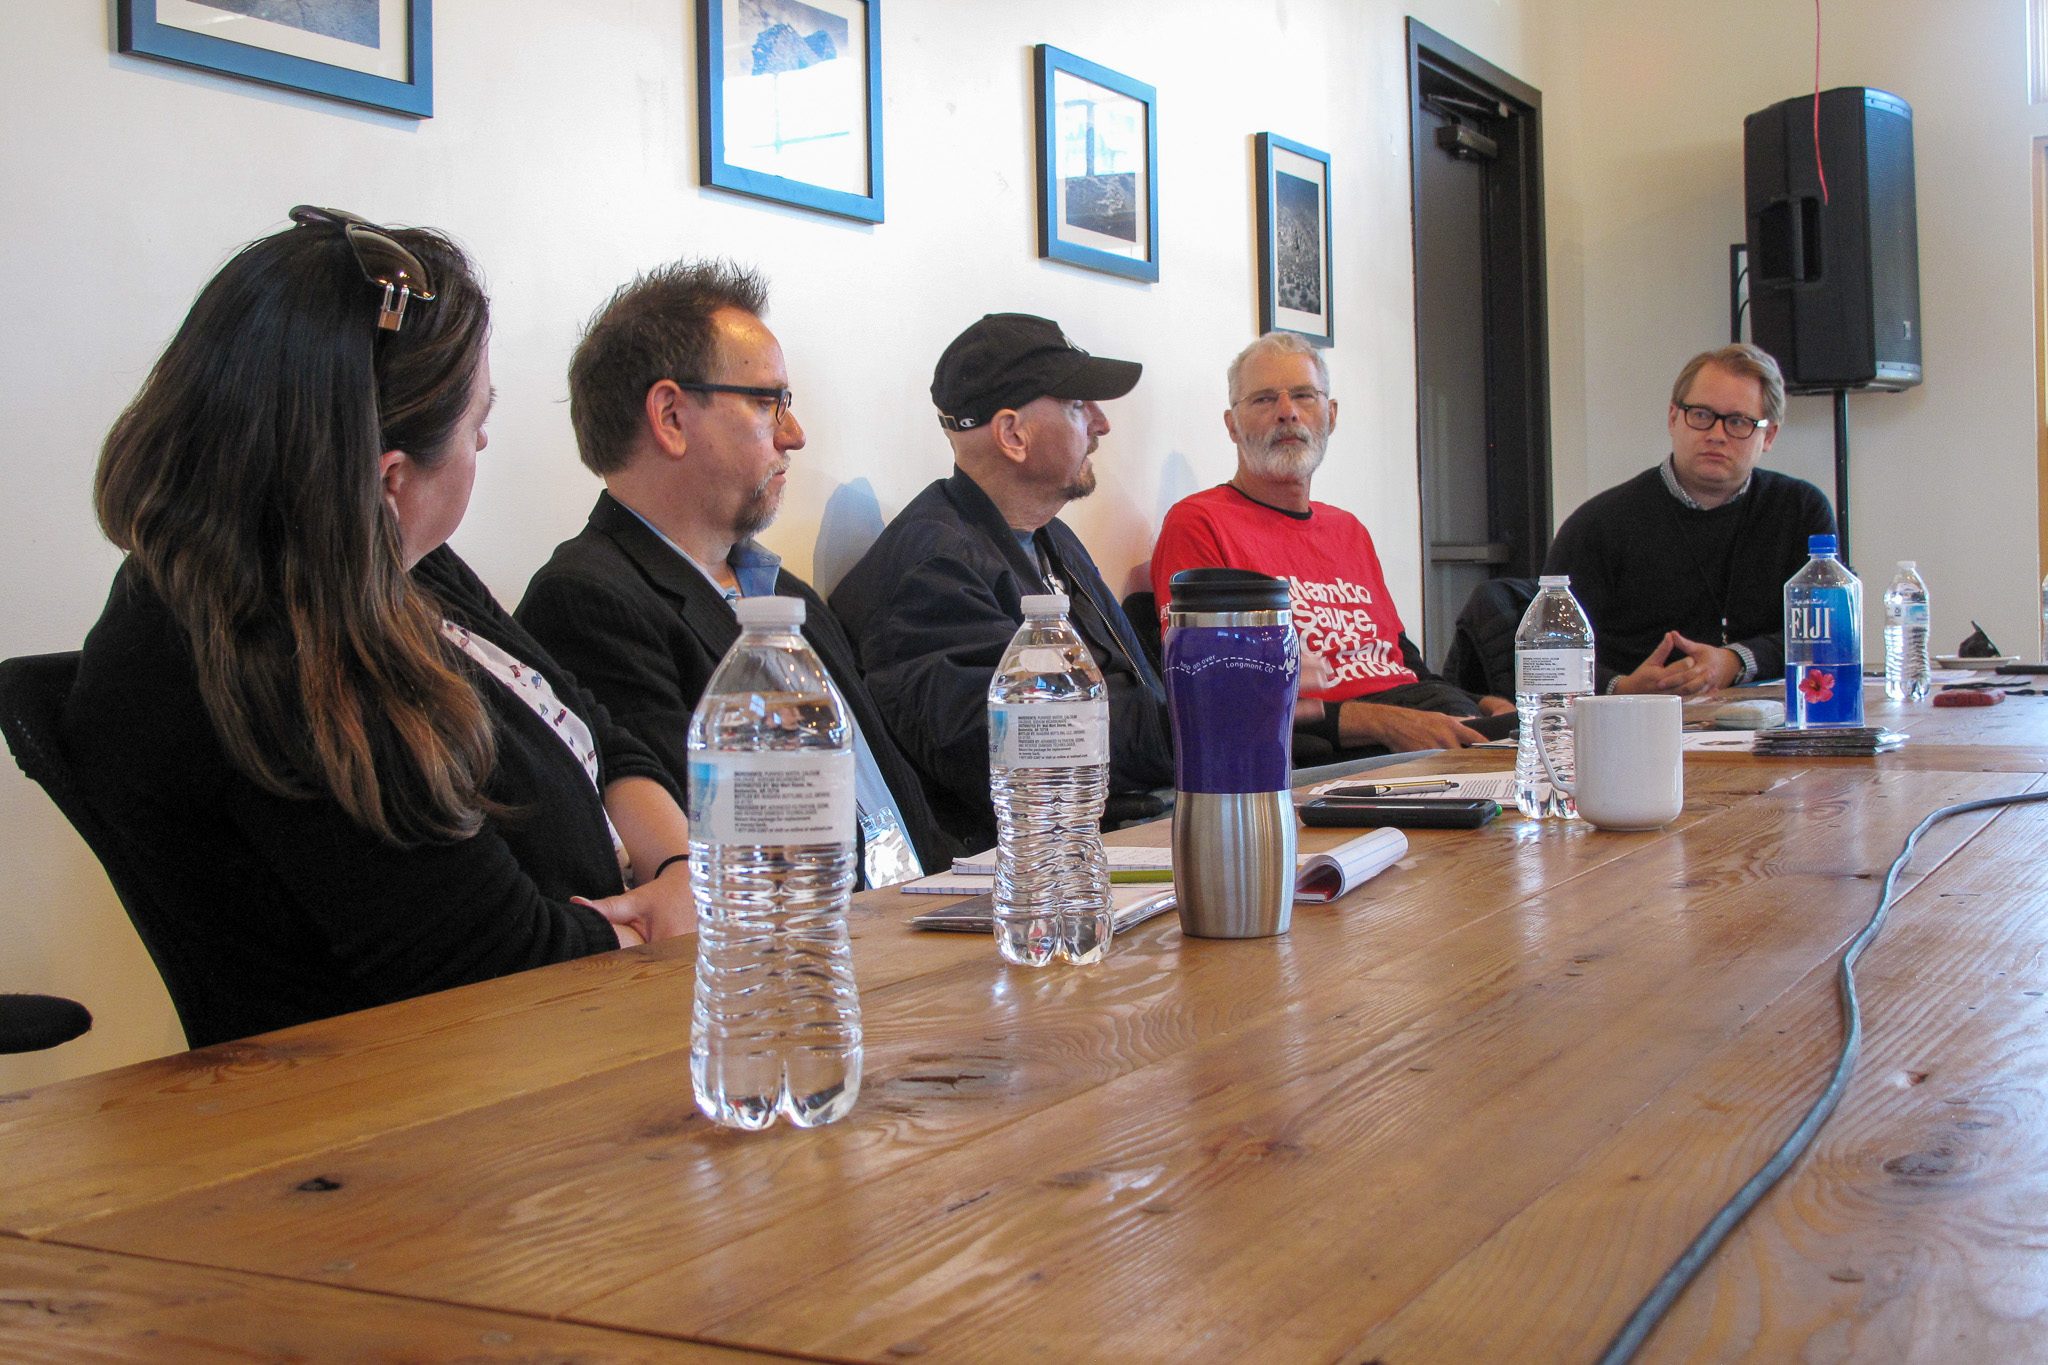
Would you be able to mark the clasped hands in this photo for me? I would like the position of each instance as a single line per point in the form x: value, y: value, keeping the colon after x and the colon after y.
x: 1696, y: 671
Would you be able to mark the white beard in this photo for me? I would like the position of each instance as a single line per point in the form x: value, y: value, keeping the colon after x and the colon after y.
x: 1269, y: 459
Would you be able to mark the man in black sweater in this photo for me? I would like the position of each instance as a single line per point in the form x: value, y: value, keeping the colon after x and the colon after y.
x: 1682, y: 569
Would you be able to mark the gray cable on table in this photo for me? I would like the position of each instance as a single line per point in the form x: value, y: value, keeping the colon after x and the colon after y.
x: 1694, y: 1258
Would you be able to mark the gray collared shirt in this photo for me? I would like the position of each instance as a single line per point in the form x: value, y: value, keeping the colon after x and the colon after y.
x: 1669, y: 469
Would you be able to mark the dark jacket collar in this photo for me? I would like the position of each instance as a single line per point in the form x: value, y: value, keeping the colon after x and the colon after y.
x: 702, y: 605
x: 979, y: 510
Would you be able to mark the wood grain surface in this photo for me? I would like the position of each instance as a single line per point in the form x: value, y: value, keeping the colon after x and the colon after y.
x: 59, y: 1304
x: 1470, y: 1112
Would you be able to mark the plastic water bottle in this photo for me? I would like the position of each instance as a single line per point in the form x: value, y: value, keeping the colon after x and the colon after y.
x: 777, y: 1023
x: 1553, y: 664
x: 1907, y: 669
x: 1823, y: 641
x: 1048, y: 760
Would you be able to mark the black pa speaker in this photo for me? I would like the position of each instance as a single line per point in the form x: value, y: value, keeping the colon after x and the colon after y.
x: 1834, y: 286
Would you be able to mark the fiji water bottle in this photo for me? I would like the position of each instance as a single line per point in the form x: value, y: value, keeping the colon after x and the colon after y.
x: 1553, y: 664
x: 1907, y: 669
x: 776, y: 1028
x: 1048, y: 762
x: 1823, y: 641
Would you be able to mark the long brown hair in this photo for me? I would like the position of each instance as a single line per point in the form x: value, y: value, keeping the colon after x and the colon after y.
x: 244, y: 483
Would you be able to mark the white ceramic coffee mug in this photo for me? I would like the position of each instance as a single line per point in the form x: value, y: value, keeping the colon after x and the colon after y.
x: 1629, y: 752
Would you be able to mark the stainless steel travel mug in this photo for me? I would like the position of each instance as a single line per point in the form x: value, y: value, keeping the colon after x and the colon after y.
x: 1233, y: 664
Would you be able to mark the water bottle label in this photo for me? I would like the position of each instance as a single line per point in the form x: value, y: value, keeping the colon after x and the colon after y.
x: 772, y: 798
x: 1822, y: 627
x: 1048, y: 734
x: 1912, y: 614
x: 1553, y: 670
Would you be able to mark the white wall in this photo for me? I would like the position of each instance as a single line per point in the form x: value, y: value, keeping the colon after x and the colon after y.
x: 563, y: 154
x: 1646, y: 195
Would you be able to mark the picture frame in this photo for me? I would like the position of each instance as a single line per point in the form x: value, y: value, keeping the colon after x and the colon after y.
x: 376, y: 53
x: 1294, y: 219
x: 789, y: 102
x: 1098, y: 167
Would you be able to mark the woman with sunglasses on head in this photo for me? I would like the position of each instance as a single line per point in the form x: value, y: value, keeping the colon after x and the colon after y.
x: 347, y: 772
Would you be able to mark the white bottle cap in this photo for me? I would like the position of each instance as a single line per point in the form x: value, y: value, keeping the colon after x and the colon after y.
x: 1045, y: 604
x: 755, y: 612
x: 1908, y: 564
x: 1554, y: 580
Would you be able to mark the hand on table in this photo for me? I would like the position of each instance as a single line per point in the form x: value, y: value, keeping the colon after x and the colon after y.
x: 661, y: 908
x: 1400, y: 729
x: 1495, y: 706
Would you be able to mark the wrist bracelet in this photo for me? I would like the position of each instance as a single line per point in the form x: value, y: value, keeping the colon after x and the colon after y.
x: 667, y: 863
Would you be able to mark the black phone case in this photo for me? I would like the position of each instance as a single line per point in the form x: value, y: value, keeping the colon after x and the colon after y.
x: 1400, y: 812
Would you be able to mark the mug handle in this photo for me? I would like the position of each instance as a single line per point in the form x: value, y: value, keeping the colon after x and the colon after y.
x: 1570, y: 789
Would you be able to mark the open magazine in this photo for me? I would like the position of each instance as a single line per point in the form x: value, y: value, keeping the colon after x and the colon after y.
x: 1320, y: 877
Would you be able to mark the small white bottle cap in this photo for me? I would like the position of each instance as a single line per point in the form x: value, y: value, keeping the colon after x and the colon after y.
x: 1909, y: 564
x: 1045, y: 604
x: 1554, y: 580
x: 769, y: 611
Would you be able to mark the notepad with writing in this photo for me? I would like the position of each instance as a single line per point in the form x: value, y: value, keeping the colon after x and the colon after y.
x: 1320, y: 877
x: 977, y: 914
x: 1122, y: 858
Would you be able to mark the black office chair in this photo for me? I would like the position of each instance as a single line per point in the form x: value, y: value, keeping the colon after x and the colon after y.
x: 30, y: 1023
x: 1482, y: 654
x: 32, y: 692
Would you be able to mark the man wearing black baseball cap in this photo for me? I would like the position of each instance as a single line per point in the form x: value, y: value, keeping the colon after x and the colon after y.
x: 935, y: 600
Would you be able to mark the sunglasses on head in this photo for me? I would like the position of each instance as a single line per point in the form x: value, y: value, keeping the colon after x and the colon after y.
x: 384, y: 263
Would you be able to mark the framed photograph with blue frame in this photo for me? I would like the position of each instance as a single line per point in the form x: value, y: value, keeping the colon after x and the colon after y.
x: 378, y: 53
x: 789, y: 102
x: 1294, y: 239
x: 1098, y: 167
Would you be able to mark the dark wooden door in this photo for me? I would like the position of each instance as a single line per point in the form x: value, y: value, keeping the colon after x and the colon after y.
x: 1482, y: 416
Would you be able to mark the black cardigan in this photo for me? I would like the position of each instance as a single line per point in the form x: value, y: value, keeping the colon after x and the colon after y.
x: 299, y: 912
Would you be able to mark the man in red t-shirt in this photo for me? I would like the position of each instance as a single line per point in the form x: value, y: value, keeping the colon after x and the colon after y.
x: 1358, y: 663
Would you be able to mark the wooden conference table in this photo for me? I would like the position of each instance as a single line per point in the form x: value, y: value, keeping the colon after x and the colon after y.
x: 1470, y: 1113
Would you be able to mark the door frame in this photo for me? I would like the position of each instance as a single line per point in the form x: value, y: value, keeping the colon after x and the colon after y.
x: 1517, y: 315
x: 2040, y: 159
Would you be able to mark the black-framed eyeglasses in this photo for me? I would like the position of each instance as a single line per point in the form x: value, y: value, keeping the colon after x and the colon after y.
x: 783, y: 397
x: 384, y: 263
x: 1739, y: 426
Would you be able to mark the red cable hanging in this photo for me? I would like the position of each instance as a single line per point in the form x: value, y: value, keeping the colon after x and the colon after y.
x: 1819, y: 169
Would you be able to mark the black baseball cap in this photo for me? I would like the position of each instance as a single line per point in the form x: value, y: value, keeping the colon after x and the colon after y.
x: 1008, y: 359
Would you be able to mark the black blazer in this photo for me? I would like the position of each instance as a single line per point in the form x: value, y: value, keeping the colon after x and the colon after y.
x: 643, y: 629
x: 300, y: 912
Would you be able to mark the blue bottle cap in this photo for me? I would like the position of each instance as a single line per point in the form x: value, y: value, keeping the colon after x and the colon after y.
x: 1820, y: 545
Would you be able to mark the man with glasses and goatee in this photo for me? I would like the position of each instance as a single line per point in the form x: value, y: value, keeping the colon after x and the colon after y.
x: 680, y: 400
x: 1682, y: 569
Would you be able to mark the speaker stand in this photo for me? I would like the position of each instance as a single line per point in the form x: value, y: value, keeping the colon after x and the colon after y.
x: 1842, y: 474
